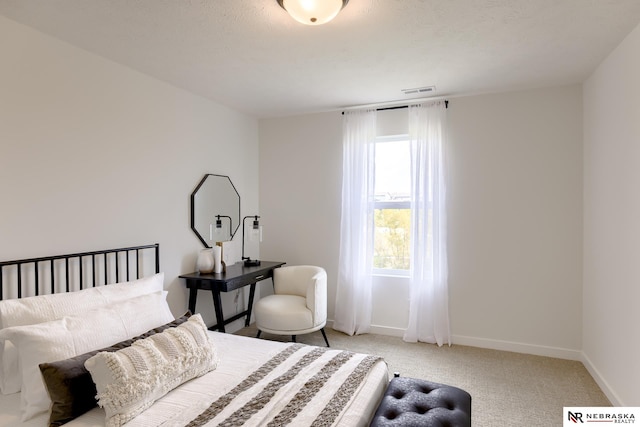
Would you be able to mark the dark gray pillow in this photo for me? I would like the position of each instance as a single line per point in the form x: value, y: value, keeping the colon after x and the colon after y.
x: 70, y: 386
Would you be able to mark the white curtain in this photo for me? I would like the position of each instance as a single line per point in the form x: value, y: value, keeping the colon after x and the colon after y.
x: 353, y: 294
x: 429, y: 299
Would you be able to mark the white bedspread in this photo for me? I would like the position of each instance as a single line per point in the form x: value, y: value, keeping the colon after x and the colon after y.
x: 239, y: 356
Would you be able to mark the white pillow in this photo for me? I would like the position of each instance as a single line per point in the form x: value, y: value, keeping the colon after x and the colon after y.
x: 74, y: 335
x: 44, y: 308
x: 134, y: 288
x: 162, y: 362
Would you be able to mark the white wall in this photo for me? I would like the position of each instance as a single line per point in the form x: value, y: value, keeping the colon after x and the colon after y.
x: 515, y: 199
x: 611, y: 319
x: 515, y: 216
x: 300, y: 173
x: 94, y: 155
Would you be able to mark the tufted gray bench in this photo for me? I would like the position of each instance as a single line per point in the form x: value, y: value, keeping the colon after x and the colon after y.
x: 409, y: 402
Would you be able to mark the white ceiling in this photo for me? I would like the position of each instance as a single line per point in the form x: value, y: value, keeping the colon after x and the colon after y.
x: 251, y: 56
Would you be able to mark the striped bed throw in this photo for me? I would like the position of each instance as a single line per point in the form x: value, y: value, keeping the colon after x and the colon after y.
x: 301, y: 385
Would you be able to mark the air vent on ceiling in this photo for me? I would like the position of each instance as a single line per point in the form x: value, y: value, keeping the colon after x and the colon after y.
x: 419, y: 90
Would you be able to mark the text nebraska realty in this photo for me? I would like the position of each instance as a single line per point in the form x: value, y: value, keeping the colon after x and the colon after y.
x: 621, y: 418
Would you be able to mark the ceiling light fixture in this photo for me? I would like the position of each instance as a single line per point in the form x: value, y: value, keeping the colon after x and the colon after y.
x: 313, y: 12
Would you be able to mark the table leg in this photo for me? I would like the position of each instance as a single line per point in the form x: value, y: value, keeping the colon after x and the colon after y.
x: 193, y: 296
x: 217, y: 303
x: 252, y: 293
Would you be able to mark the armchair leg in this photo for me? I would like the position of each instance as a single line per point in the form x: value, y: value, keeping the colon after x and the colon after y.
x: 259, y: 332
x: 325, y: 337
x: 293, y: 338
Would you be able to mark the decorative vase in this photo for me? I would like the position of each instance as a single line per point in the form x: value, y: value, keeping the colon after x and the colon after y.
x: 204, y: 263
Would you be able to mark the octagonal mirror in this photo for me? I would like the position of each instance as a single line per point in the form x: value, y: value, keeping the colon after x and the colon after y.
x: 215, y: 209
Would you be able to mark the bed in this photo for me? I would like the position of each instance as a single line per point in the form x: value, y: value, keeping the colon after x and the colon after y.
x: 97, y: 323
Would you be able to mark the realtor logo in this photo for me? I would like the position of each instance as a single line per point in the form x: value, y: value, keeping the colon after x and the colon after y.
x: 575, y: 417
x: 601, y: 416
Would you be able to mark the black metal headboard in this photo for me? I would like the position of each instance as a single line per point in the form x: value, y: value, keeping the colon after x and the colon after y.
x: 71, y: 272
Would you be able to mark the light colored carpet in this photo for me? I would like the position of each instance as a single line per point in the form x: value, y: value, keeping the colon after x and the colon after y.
x: 507, y: 389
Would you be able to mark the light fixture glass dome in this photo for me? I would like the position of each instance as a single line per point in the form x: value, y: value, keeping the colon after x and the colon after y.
x: 313, y: 12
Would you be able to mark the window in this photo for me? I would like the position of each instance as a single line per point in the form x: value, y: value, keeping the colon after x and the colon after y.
x: 392, y: 206
x: 397, y: 187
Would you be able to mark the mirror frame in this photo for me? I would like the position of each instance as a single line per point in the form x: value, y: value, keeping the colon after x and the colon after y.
x: 193, y: 199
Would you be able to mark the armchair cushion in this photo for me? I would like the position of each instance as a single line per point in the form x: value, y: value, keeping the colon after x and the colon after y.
x: 283, y: 313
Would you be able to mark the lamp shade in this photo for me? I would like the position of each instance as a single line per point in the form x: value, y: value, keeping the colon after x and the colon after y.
x: 313, y: 12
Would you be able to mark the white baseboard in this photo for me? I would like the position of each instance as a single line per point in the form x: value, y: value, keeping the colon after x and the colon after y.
x: 604, y: 386
x: 378, y: 330
x: 388, y: 331
x: 516, y: 347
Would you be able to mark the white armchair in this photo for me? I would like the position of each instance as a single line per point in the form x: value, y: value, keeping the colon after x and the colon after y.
x: 298, y: 305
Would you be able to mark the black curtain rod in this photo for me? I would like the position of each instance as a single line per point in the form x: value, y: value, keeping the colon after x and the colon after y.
x: 397, y: 107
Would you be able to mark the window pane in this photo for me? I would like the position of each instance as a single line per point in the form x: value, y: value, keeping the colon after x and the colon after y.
x: 392, y: 171
x: 392, y: 210
x: 392, y: 239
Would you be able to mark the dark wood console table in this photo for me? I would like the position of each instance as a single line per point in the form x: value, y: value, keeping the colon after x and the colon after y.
x: 235, y: 277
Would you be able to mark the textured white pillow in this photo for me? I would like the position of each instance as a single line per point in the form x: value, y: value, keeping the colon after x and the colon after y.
x: 44, y: 308
x: 130, y: 380
x: 74, y: 335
